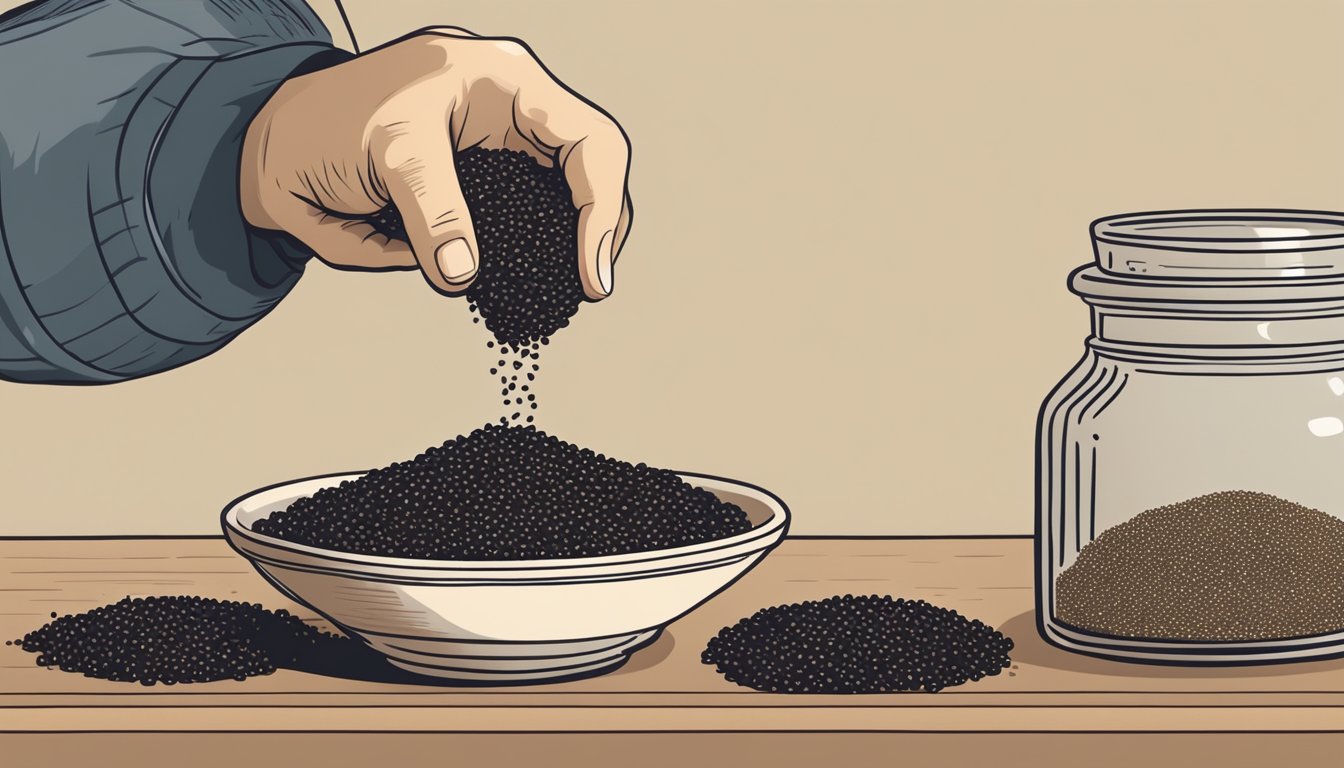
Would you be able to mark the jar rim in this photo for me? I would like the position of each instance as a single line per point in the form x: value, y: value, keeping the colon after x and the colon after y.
x: 1223, y: 244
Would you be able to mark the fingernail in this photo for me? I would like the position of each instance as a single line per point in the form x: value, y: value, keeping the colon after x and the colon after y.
x: 604, y: 262
x: 455, y: 260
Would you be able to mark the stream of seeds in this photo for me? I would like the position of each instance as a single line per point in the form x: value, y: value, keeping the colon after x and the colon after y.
x: 1232, y: 565
x: 527, y: 285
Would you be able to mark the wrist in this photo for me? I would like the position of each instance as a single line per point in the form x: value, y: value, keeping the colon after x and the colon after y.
x: 257, y: 189
x: 252, y: 166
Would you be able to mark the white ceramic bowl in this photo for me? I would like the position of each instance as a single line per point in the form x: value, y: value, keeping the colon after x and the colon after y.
x: 505, y: 621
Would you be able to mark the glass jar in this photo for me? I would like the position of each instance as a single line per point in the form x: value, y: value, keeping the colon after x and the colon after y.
x: 1190, y: 467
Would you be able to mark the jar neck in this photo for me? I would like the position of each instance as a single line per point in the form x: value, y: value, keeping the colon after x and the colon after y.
x: 1255, y: 334
x: 1214, y: 319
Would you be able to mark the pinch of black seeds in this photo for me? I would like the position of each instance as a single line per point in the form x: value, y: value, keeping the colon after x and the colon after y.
x: 848, y: 644
x: 527, y: 286
x: 507, y: 493
x: 176, y: 639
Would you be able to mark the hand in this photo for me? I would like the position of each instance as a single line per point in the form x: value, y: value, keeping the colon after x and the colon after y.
x: 342, y: 143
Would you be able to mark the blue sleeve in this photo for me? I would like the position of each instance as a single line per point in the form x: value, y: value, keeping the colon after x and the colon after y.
x: 123, y: 250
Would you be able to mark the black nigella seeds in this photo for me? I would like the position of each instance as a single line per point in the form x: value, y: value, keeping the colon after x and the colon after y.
x: 507, y: 493
x: 527, y: 284
x: 854, y: 644
x: 178, y: 639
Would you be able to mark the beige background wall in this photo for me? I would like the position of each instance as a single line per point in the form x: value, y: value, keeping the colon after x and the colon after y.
x: 846, y: 278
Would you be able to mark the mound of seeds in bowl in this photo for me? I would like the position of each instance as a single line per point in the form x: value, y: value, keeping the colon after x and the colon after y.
x: 176, y: 639
x: 507, y: 493
x: 527, y: 284
x: 1227, y: 566
x: 849, y: 644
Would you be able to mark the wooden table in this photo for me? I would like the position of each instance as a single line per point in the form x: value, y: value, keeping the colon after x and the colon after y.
x: 1050, y: 708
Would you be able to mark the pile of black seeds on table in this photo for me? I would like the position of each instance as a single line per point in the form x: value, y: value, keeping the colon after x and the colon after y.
x: 527, y: 285
x: 176, y: 639
x: 1227, y: 566
x: 849, y: 644
x: 507, y: 493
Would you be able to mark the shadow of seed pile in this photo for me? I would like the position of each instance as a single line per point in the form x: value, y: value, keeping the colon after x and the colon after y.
x: 507, y: 493
x: 851, y: 644
x: 177, y: 639
x: 527, y: 285
x: 1233, y: 565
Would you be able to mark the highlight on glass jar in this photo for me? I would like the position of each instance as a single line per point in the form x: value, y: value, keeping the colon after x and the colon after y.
x: 1190, y: 467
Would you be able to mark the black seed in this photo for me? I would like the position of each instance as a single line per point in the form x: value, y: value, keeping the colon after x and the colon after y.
x: 851, y: 644
x: 507, y: 493
x: 179, y: 639
x: 528, y: 286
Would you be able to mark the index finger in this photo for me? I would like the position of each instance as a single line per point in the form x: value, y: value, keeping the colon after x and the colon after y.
x: 594, y: 154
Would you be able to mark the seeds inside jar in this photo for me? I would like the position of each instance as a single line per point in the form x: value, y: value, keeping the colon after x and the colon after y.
x: 1227, y: 566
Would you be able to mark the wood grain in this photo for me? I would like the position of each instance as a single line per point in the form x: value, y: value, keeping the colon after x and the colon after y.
x: 664, y: 688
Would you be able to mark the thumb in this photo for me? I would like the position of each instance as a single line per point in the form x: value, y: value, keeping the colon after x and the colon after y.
x: 417, y: 168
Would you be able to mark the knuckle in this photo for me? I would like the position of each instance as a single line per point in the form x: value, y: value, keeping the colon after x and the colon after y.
x: 510, y: 47
x: 608, y: 133
x: 387, y: 141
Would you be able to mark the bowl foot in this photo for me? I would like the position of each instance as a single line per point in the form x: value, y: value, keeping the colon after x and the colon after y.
x: 508, y: 663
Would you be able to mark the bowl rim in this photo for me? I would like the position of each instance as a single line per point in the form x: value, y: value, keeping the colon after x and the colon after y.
x: 766, y: 534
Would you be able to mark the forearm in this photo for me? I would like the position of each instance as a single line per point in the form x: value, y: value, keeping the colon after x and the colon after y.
x: 124, y: 251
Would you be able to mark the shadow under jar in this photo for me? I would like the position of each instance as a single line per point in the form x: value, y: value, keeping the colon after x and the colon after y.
x: 1190, y: 468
